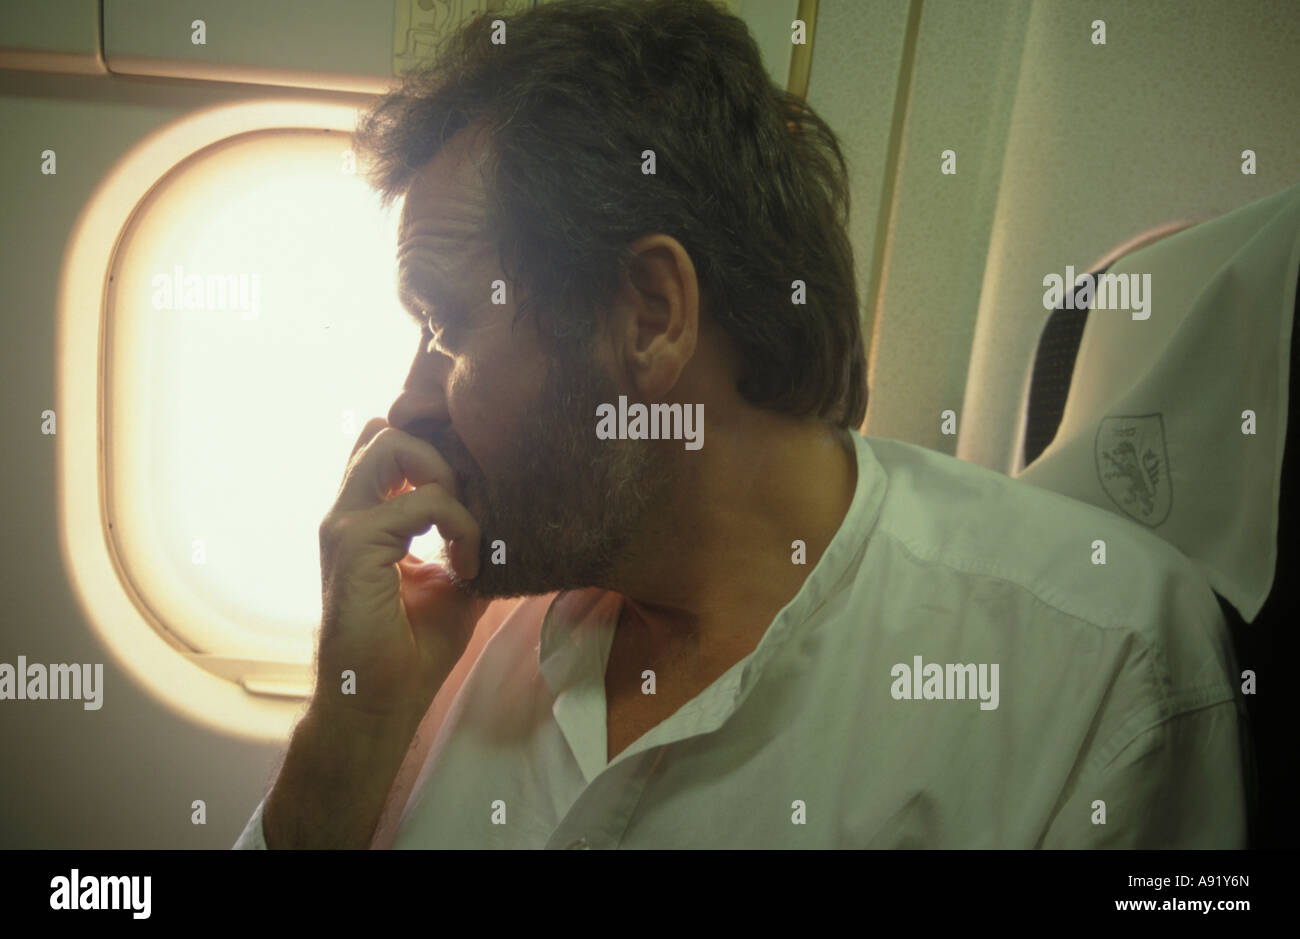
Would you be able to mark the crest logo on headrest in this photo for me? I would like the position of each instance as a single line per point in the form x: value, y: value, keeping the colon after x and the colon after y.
x: 1133, y: 466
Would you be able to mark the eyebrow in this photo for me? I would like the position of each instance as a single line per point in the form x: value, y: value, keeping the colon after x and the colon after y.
x: 420, y: 292
x: 412, y: 305
x: 430, y: 301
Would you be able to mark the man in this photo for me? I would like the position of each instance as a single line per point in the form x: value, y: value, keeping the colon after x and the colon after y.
x: 748, y: 626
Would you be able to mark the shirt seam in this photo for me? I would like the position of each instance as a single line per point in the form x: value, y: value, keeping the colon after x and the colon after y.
x: 1158, y: 725
x: 1047, y: 598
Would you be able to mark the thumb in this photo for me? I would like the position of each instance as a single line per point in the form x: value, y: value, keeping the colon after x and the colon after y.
x: 434, y: 602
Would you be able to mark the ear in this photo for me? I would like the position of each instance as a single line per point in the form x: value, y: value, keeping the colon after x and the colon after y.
x: 656, y: 315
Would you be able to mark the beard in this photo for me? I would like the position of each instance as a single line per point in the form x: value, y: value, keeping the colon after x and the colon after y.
x: 567, y: 507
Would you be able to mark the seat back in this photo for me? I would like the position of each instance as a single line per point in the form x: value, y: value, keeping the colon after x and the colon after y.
x: 1151, y: 424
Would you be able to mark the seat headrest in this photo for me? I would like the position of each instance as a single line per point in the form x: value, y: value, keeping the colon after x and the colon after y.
x: 1177, y: 420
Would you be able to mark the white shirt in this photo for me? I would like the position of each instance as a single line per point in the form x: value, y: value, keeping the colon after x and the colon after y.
x: 1114, y: 686
x: 1153, y: 426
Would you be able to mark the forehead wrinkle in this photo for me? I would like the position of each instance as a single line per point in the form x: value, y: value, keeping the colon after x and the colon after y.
x: 437, y: 245
x: 447, y: 197
x: 444, y: 191
x: 444, y: 246
x: 436, y: 241
x: 441, y: 229
x: 431, y: 270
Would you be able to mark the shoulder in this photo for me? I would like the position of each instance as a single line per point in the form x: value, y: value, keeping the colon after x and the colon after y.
x: 1085, y: 563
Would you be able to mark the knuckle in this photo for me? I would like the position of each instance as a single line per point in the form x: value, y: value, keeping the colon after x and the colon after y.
x: 383, y: 440
x: 366, y: 454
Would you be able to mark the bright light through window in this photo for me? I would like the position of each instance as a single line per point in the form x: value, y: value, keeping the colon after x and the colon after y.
x: 253, y: 328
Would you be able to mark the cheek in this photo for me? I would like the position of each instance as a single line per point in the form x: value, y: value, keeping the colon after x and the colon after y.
x: 472, y: 400
x: 488, y: 395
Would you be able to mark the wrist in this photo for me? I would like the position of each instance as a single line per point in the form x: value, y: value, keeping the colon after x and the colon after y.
x: 339, y: 726
x: 336, y: 777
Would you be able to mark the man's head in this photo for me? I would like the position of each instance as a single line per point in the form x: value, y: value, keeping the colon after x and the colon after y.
x: 523, y: 169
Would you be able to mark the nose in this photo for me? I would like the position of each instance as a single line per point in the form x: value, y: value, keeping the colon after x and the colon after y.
x: 421, y: 408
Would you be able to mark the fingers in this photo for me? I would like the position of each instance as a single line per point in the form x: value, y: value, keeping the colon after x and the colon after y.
x: 382, y: 536
x: 417, y: 576
x: 383, y: 461
x: 462, y: 555
x: 373, y: 426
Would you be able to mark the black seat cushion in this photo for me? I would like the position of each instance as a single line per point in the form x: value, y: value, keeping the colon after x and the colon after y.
x: 1049, y: 388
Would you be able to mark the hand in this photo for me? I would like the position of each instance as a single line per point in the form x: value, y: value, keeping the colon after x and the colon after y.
x: 399, y: 624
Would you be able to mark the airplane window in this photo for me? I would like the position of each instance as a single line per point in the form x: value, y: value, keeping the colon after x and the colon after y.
x: 252, y: 329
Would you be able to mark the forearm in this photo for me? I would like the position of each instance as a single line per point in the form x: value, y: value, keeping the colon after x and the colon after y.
x: 336, y: 777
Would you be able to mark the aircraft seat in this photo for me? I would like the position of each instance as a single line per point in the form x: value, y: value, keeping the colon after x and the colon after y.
x: 1186, y: 422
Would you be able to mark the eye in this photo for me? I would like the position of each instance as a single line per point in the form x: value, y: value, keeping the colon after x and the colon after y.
x: 438, y: 340
x: 431, y: 345
x: 444, y: 324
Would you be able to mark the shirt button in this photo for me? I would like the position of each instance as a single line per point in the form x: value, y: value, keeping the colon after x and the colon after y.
x: 580, y: 844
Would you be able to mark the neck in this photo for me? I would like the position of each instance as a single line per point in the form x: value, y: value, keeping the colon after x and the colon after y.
x: 706, y: 582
